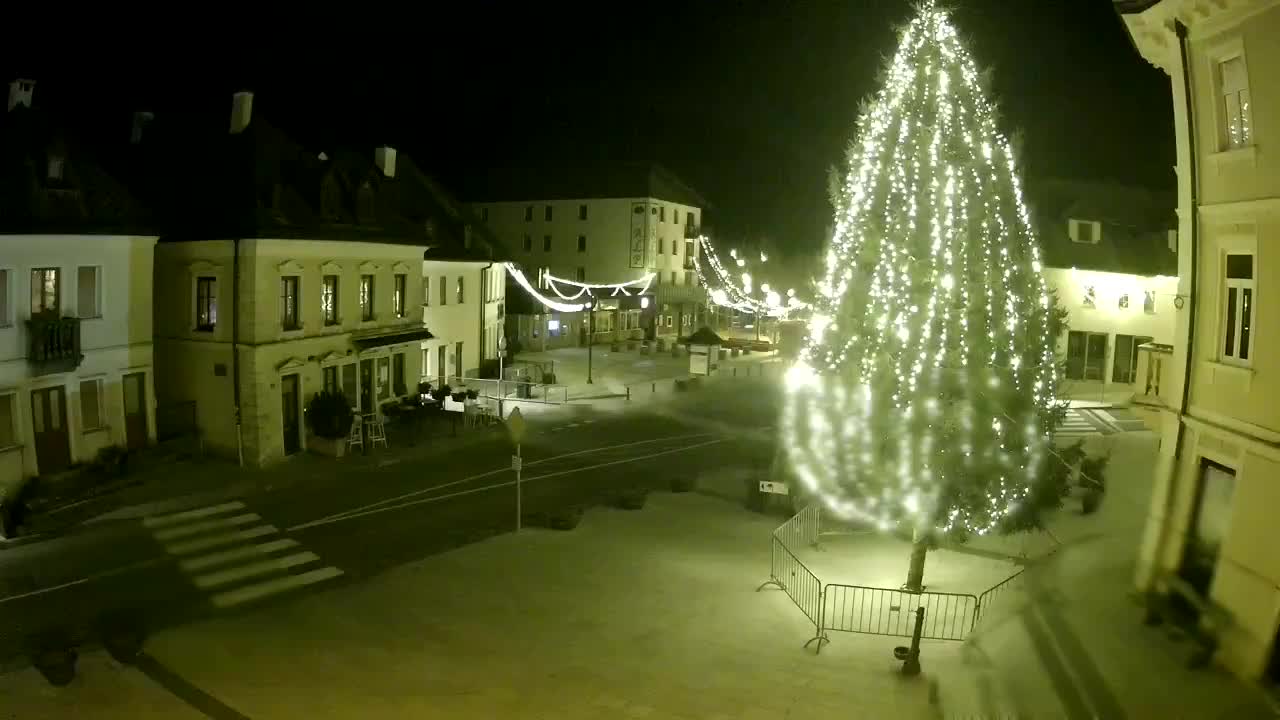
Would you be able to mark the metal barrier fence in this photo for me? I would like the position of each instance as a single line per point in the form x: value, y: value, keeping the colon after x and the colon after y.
x: 553, y: 394
x: 657, y: 386
x: 986, y: 599
x: 881, y: 611
x: 799, y: 583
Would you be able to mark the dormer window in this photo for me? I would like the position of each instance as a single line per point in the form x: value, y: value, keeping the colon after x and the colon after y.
x: 1088, y: 232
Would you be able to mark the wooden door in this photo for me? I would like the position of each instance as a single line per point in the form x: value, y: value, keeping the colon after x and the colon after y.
x: 49, y: 428
x: 135, y: 410
x: 289, y: 413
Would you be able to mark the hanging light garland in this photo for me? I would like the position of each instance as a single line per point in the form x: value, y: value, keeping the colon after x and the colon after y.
x: 630, y: 288
x: 726, y: 292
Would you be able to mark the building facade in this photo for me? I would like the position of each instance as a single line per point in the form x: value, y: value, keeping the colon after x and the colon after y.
x: 463, y: 307
x: 1211, y: 517
x: 601, y: 226
x: 75, y: 309
x: 1110, y: 254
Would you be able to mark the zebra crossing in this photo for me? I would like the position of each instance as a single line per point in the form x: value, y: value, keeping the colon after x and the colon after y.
x: 233, y: 556
x: 1077, y: 424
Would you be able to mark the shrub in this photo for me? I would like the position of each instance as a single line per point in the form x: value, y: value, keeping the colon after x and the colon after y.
x: 329, y: 415
x: 112, y: 461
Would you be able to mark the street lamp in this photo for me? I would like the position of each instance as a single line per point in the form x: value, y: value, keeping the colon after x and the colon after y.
x: 502, y: 353
x: 591, y: 332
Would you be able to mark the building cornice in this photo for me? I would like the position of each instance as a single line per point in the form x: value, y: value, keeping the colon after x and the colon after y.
x: 1152, y: 26
x: 1240, y: 209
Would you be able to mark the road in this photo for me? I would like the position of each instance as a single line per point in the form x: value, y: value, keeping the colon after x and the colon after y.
x: 271, y: 546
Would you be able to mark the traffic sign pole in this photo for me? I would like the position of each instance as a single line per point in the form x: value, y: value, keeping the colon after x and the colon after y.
x: 515, y: 426
x: 518, y: 465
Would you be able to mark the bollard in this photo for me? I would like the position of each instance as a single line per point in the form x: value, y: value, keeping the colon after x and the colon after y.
x: 628, y: 392
x: 910, y: 657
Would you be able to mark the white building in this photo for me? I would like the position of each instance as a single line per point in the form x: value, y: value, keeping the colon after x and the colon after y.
x: 1110, y: 255
x: 1211, y: 524
x: 599, y: 225
x: 75, y: 303
x: 463, y: 310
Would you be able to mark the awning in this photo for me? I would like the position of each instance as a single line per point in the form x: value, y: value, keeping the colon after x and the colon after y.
x: 392, y: 338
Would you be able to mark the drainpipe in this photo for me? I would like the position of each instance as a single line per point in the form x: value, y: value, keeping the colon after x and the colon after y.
x: 235, y: 349
x: 1185, y: 400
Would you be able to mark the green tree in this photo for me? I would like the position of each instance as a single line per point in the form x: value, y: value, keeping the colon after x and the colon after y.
x: 926, y: 395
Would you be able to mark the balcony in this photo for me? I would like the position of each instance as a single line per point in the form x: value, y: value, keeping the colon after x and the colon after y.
x: 53, y: 343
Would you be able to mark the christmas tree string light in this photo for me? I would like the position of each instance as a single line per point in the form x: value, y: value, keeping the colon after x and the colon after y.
x: 926, y: 392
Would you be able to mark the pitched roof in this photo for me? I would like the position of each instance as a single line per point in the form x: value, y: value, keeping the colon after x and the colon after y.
x: 704, y: 336
x: 52, y: 183
x: 583, y: 182
x: 1135, y: 225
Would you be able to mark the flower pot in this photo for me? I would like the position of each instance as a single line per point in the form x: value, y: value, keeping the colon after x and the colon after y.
x: 329, y: 447
x: 56, y: 664
x: 632, y: 499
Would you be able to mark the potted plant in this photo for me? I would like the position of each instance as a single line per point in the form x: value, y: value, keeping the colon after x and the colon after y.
x: 329, y: 419
x: 632, y: 498
x: 1094, y: 483
x: 473, y: 394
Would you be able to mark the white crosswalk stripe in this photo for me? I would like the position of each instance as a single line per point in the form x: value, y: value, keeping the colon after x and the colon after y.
x: 1074, y: 425
x: 234, y: 555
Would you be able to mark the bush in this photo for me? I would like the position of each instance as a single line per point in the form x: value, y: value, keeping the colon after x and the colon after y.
x: 424, y: 388
x: 111, y: 462
x: 473, y: 394
x: 329, y: 415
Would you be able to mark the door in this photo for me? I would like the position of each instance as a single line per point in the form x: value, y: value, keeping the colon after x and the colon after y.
x: 442, y: 367
x: 135, y: 410
x: 49, y: 427
x: 1124, y: 367
x: 289, y: 414
x: 457, y: 360
x: 366, y: 385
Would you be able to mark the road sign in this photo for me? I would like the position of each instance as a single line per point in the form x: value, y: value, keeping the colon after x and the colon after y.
x: 775, y: 488
x: 516, y: 463
x: 515, y: 425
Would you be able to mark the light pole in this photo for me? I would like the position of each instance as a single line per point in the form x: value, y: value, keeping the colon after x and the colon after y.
x: 591, y: 333
x: 502, y: 353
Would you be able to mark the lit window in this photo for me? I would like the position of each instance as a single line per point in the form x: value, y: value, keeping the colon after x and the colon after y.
x: 46, y: 290
x: 206, y: 303
x: 1237, y: 113
x: 461, y: 294
x: 366, y: 297
x: 398, y: 295
x: 329, y: 299
x: 289, y: 302
x: 1085, y: 231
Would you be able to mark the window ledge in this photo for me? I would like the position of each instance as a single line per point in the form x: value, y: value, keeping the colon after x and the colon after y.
x: 1248, y: 154
x: 102, y: 428
x: 1217, y: 367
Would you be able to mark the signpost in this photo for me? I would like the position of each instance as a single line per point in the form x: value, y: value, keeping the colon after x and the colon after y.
x: 515, y: 426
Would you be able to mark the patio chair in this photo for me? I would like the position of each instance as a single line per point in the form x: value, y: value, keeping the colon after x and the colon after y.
x: 356, y: 436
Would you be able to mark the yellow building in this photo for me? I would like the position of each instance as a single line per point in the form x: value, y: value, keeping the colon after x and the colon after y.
x: 303, y: 272
x: 1211, y: 521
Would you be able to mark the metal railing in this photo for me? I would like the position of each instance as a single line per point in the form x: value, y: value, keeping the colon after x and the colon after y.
x: 881, y: 611
x: 794, y: 578
x: 993, y: 593
x: 553, y: 394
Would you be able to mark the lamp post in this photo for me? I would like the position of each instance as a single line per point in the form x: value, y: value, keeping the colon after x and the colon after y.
x: 502, y: 353
x: 591, y: 332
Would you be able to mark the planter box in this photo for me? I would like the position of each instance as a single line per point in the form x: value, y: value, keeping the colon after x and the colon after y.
x: 632, y: 499
x: 329, y: 447
x: 662, y: 345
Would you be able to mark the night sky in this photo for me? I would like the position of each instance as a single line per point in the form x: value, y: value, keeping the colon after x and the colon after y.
x: 748, y: 101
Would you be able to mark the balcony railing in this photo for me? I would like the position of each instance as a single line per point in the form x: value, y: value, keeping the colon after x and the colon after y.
x: 53, y: 343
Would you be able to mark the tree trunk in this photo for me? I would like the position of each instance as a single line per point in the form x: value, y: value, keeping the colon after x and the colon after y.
x: 915, y: 573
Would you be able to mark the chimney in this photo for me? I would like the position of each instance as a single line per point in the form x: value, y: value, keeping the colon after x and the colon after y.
x: 140, y: 120
x: 20, y: 91
x: 241, y: 111
x: 385, y: 157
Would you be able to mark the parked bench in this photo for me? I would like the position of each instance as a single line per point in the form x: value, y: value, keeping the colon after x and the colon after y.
x: 1204, y: 628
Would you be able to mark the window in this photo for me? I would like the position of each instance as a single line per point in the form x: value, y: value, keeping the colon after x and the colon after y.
x: 675, y: 215
x: 528, y: 243
x: 206, y: 303
x: 484, y: 214
x: 688, y: 252
x: 329, y: 299
x: 662, y: 246
x: 689, y: 279
x: 546, y: 213
x: 426, y: 291
x: 484, y: 286
x: 528, y: 213
x: 1090, y: 296
x: 5, y: 318
x: 1237, y: 323
x: 289, y: 302
x: 329, y: 376
x: 1124, y: 367
x: 1084, y: 231
x: 1237, y: 114
x: 397, y: 299
x: 657, y: 277
x: 8, y: 428
x: 398, y: 385
x: 383, y: 380
x: 444, y: 290
x: 582, y: 243
x: 691, y: 220
x: 581, y: 275
x: 88, y: 293
x: 675, y: 247
x: 1149, y: 302
x: 546, y: 243
x: 669, y: 320
x: 662, y: 214
x: 46, y: 290
x: 461, y: 293
x: 349, y: 383
x: 90, y: 405
x: 366, y: 297
x: 582, y: 212
x: 673, y: 277
x: 1214, y: 493
x: 1086, y: 355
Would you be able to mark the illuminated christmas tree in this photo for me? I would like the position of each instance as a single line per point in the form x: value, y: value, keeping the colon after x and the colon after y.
x: 925, y: 397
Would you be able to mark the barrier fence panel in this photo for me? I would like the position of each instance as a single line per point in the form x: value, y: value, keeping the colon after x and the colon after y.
x: 799, y: 583
x: 986, y: 599
x: 512, y: 389
x: 802, y: 529
x: 880, y: 611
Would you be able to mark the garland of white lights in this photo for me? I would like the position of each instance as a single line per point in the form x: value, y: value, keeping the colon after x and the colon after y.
x: 933, y: 325
x: 523, y: 281
x: 640, y: 286
x: 725, y: 292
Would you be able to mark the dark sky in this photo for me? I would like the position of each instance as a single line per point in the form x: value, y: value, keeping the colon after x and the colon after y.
x: 748, y: 101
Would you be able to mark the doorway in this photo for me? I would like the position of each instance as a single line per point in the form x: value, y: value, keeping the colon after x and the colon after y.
x: 441, y: 366
x: 1086, y: 355
x: 49, y: 427
x: 366, y: 385
x: 135, y: 410
x: 289, y: 414
x: 1124, y: 367
x: 457, y: 362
